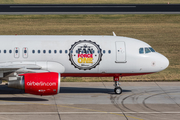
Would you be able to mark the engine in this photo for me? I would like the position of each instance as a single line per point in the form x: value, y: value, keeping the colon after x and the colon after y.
x: 38, y: 83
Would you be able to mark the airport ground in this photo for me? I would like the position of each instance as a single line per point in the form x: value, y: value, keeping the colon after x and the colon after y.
x: 89, y: 2
x: 95, y: 100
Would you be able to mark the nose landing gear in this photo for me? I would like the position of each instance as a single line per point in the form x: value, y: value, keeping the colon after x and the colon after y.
x: 117, y: 88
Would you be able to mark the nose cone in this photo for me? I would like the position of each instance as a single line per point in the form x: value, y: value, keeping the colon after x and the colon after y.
x: 164, y: 62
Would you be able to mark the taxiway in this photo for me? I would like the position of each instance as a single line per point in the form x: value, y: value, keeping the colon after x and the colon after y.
x: 95, y: 100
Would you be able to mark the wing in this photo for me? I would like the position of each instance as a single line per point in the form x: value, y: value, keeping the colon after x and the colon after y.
x: 8, y: 69
x: 14, y: 67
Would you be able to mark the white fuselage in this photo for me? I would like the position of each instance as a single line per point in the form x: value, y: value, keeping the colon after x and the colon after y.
x: 118, y: 55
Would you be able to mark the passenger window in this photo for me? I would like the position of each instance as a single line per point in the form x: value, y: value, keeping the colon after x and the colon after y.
x: 44, y: 51
x: 4, y: 51
x: 16, y: 51
x: 55, y: 51
x: 33, y: 51
x: 71, y: 51
x: 76, y: 51
x: 39, y: 51
x: 93, y: 51
x: 104, y: 51
x: 25, y: 51
x: 152, y: 50
x: 66, y: 51
x: 147, y: 50
x: 98, y: 51
x: 109, y: 51
x: 10, y: 51
x: 141, y: 50
x: 49, y: 51
x: 0, y: 51
x: 60, y: 51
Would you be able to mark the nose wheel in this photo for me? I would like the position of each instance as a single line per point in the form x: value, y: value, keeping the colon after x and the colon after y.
x: 117, y: 89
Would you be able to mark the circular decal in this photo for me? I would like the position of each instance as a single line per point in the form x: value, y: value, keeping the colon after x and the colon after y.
x: 85, y: 54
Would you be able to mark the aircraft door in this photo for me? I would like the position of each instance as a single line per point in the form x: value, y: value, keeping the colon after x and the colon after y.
x: 120, y: 52
x: 25, y: 52
x: 16, y: 52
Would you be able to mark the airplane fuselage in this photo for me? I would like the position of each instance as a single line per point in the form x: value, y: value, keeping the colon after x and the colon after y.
x: 82, y: 56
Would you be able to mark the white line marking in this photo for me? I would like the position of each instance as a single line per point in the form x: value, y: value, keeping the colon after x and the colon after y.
x: 70, y: 6
x: 46, y: 113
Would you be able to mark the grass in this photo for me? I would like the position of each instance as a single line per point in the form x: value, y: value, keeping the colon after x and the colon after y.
x: 160, y: 31
x: 89, y: 1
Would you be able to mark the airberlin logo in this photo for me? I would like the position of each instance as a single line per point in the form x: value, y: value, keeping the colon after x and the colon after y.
x: 41, y: 83
x: 85, y: 54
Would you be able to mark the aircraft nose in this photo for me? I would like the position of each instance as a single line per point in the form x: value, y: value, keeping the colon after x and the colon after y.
x: 164, y: 62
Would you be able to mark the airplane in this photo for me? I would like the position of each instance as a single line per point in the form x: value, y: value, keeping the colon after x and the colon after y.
x: 36, y: 63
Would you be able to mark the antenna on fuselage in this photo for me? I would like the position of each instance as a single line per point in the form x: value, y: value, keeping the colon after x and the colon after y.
x: 114, y: 34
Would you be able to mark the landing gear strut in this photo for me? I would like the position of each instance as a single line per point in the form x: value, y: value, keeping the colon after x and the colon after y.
x: 117, y: 88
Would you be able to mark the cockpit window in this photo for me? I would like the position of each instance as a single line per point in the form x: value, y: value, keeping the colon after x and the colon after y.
x: 152, y: 50
x: 141, y: 51
x: 147, y: 50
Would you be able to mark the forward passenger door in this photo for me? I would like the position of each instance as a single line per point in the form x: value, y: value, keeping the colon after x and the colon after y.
x: 120, y: 52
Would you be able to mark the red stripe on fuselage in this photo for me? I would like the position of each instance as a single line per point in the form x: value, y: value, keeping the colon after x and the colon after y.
x: 100, y: 74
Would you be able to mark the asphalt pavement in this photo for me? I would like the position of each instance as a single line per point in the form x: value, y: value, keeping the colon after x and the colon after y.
x: 95, y: 100
x: 90, y: 9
